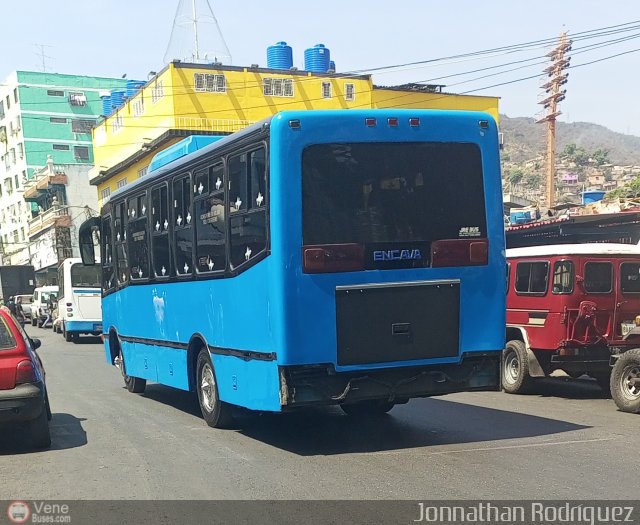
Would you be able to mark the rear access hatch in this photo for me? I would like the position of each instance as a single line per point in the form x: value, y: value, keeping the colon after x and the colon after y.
x: 380, y: 323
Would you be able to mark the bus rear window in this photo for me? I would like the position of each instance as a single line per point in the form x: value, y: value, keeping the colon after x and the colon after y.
x: 598, y: 277
x: 88, y: 276
x: 630, y: 277
x: 392, y: 192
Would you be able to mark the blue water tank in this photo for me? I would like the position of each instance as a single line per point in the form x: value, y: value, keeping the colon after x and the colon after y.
x: 592, y: 196
x: 317, y: 59
x: 106, y: 105
x: 117, y: 99
x: 133, y: 86
x: 279, y: 56
x: 332, y: 66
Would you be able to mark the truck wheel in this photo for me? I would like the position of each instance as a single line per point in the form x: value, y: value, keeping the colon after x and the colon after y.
x: 215, y: 412
x: 515, y: 368
x: 371, y: 407
x: 625, y: 382
x: 604, y: 382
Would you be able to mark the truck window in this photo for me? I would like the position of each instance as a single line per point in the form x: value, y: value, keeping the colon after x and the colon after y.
x: 532, y: 277
x: 563, y: 277
x: 630, y: 277
x: 598, y: 277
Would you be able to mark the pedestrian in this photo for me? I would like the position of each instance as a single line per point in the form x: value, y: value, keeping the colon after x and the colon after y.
x: 19, y: 314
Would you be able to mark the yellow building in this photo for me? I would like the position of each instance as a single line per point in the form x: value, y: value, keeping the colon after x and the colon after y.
x: 185, y: 99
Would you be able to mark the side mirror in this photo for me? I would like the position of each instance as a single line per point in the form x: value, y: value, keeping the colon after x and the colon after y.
x: 85, y: 238
x: 36, y: 343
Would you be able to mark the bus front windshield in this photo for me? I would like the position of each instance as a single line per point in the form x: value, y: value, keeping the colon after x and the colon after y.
x: 88, y: 276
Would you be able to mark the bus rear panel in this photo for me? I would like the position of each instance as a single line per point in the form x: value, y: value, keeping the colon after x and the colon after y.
x: 327, y: 257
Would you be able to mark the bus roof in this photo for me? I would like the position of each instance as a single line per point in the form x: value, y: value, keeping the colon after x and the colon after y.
x: 575, y: 249
x: 297, y: 114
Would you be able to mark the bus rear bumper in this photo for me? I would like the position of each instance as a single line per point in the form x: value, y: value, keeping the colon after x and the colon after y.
x: 322, y: 385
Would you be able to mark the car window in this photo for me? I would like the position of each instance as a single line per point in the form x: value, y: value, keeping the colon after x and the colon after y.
x: 598, y: 277
x: 563, y: 277
x: 6, y: 337
x: 630, y: 277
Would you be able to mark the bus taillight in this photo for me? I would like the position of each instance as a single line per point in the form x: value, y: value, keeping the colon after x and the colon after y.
x: 459, y: 252
x: 331, y: 258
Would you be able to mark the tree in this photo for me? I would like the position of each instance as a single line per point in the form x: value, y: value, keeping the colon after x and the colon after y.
x: 601, y: 156
x: 515, y: 176
x: 569, y: 150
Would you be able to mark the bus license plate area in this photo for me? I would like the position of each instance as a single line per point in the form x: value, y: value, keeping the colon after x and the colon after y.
x: 382, y: 323
x: 626, y: 327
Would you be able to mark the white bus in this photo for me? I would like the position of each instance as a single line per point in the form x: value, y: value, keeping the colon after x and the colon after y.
x: 79, y: 300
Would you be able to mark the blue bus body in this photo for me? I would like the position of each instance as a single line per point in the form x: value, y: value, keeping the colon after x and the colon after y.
x: 279, y: 336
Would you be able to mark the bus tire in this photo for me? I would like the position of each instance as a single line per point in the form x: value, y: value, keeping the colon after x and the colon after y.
x: 625, y: 382
x: 135, y: 385
x: 370, y: 407
x: 215, y: 412
x: 515, y: 368
x: 65, y: 334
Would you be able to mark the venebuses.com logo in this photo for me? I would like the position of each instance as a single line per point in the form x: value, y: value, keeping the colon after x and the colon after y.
x: 18, y: 512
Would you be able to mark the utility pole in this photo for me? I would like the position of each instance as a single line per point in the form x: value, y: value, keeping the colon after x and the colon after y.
x: 554, y: 94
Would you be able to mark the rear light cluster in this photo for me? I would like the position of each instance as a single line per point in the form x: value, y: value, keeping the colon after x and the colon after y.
x: 459, y: 252
x: 332, y: 258
x: 26, y: 373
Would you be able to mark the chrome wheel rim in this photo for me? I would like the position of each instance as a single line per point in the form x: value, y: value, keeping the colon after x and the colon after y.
x: 511, y: 369
x: 207, y: 387
x: 630, y: 382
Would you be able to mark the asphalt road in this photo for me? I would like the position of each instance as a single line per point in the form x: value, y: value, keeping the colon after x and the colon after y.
x: 564, y: 441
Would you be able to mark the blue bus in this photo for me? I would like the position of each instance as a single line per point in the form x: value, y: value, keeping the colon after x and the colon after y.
x: 345, y: 257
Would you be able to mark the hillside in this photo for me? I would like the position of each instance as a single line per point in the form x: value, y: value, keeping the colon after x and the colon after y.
x: 525, y: 140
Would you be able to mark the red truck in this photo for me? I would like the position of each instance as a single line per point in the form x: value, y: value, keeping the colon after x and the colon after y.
x: 576, y: 308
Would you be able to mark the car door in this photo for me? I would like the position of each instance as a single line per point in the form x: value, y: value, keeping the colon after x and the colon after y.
x: 627, y: 296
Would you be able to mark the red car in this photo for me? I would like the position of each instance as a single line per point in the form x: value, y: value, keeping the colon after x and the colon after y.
x: 23, y: 394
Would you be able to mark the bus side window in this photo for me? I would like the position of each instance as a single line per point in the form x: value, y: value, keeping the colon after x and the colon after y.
x: 138, y: 237
x: 210, y: 224
x: 106, y: 251
x: 182, y: 222
x: 160, y: 231
x: 121, y: 243
x: 248, y: 221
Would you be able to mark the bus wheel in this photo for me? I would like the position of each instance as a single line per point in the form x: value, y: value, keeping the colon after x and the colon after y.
x: 515, y: 368
x: 67, y: 335
x: 625, y: 382
x: 215, y: 412
x: 135, y: 385
x: 371, y: 407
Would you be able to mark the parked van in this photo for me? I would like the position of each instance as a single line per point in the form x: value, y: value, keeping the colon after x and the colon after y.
x: 43, y: 296
x: 575, y: 308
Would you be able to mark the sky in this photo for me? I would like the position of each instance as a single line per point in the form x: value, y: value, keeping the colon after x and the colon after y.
x: 115, y: 37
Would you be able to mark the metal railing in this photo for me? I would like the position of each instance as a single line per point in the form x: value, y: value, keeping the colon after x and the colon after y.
x: 47, y: 217
x: 212, y: 124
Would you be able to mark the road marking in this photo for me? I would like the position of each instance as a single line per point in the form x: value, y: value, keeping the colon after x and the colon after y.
x: 489, y: 449
x: 526, y: 445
